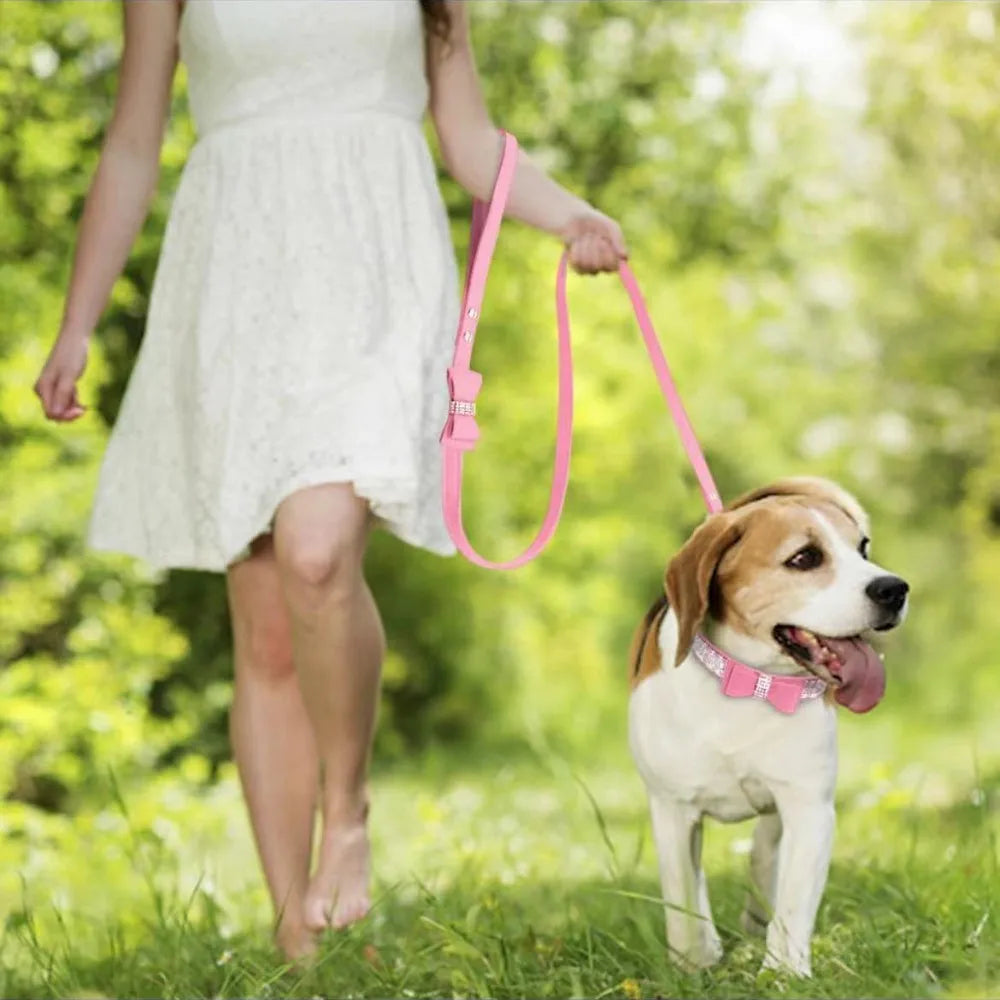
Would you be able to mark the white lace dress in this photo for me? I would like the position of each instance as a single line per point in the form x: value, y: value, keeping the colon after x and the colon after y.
x: 304, y: 306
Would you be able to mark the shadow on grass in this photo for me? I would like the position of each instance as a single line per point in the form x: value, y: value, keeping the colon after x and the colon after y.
x: 880, y: 933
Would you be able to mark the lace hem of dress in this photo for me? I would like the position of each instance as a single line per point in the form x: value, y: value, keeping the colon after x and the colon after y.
x: 389, y: 510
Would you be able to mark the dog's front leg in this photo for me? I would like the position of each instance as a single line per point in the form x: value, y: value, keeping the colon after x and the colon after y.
x: 763, y: 871
x: 803, y: 862
x: 691, y: 933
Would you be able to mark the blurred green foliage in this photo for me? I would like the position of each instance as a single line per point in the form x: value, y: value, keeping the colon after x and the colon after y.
x: 823, y: 277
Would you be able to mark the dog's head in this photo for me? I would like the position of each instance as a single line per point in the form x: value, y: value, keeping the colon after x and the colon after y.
x: 788, y: 566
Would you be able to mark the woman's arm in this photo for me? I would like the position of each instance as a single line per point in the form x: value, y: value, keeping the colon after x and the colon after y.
x: 471, y: 145
x: 120, y: 193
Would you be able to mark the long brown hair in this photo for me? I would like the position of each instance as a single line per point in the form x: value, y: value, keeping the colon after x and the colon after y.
x: 437, y: 18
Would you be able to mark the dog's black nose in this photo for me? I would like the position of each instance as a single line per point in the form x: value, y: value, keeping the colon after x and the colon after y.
x: 888, y: 592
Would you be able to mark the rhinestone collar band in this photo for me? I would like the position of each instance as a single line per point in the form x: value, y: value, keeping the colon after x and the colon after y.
x: 737, y: 680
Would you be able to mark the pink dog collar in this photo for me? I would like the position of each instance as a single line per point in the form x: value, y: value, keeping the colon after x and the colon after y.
x: 740, y: 681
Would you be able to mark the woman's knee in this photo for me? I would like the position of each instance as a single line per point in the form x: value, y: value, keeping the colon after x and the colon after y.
x: 332, y: 564
x: 320, y: 537
x: 264, y: 648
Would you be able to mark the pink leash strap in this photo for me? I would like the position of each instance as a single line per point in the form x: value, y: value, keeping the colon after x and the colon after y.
x: 460, y: 432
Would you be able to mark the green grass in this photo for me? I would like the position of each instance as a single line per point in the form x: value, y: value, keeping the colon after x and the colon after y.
x: 512, y: 879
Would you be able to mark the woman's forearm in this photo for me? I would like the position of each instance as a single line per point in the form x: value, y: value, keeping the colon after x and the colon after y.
x: 535, y: 198
x: 125, y: 179
x: 114, y: 211
x: 471, y: 144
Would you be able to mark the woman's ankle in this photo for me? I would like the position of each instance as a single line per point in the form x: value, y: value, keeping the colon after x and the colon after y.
x: 342, y: 809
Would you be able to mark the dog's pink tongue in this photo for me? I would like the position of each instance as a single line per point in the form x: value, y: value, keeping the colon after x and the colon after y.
x: 862, y: 674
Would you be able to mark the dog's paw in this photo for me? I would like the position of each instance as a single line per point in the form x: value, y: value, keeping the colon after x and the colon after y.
x: 702, y: 957
x: 787, y: 965
x: 695, y: 962
x: 713, y: 947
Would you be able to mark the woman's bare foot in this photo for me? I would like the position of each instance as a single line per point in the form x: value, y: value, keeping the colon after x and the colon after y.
x: 296, y: 942
x: 338, y: 891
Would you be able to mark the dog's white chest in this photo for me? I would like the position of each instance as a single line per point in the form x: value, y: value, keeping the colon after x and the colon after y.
x: 692, y: 766
x: 726, y: 756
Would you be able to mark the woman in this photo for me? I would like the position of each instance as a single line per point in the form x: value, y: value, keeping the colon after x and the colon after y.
x: 289, y: 390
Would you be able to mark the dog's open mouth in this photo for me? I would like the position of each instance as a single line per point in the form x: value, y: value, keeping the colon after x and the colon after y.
x: 849, y: 664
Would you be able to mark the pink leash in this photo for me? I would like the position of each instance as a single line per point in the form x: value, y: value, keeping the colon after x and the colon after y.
x: 461, y: 432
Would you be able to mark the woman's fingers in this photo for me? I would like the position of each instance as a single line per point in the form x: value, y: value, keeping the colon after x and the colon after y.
x: 592, y: 254
x: 580, y: 254
x: 46, y: 388
x: 595, y: 242
x: 608, y: 255
x: 59, y: 397
x: 62, y: 395
x: 616, y: 238
x: 76, y: 408
x: 607, y: 229
x: 56, y: 385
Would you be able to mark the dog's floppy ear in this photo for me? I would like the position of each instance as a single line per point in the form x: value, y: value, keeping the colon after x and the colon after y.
x: 808, y: 486
x: 689, y: 575
x: 644, y: 651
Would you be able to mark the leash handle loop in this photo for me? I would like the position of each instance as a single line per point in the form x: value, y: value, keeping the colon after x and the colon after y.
x: 460, y: 432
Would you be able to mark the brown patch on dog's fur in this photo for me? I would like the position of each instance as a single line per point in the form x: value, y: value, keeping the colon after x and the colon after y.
x: 644, y: 650
x: 690, y: 573
x: 781, y: 511
x: 812, y: 488
x: 782, y: 526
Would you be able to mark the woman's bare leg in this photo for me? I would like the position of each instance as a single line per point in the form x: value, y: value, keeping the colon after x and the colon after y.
x: 272, y: 740
x: 320, y: 535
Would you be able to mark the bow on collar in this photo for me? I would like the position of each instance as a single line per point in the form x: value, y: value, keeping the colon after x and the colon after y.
x: 741, y: 681
x: 738, y: 680
x: 460, y: 430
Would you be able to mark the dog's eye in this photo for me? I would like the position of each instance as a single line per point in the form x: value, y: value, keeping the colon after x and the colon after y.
x: 864, y: 547
x: 808, y: 558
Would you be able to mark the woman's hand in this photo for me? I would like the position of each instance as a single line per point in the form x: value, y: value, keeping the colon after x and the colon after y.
x: 471, y: 148
x: 56, y: 385
x: 595, y: 242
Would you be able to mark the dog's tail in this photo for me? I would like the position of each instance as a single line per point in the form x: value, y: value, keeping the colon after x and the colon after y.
x: 644, y: 656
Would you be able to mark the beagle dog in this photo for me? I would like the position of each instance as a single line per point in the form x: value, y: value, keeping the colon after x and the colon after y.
x: 736, y: 672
